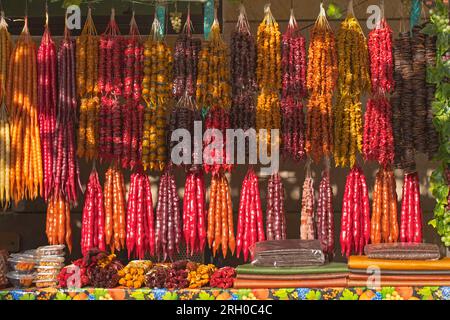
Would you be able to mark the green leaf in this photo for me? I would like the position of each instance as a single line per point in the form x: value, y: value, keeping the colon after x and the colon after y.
x: 170, y: 296
x: 100, y: 293
x: 386, y: 290
x: 282, y: 294
x: 432, y: 223
x: 62, y: 296
x: 138, y: 295
x: 430, y: 29
x: 313, y: 295
x: 334, y: 11
x: 27, y: 296
x: 348, y: 295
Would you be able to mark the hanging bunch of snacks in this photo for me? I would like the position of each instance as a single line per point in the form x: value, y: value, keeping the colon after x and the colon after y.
x: 93, y: 221
x: 111, y: 88
x: 220, y: 231
x: 140, y: 228
x: 275, y: 211
x: 325, y: 214
x: 243, y: 74
x: 156, y: 92
x: 268, y: 75
x: 307, y: 230
x: 293, y: 54
x: 47, y: 102
x: 355, y: 223
x: 26, y: 175
x: 411, y: 212
x: 250, y: 228
x: 65, y: 164
x: 114, y: 202
x: 402, y: 103
x: 320, y: 81
x: 87, y: 48
x: 214, y: 70
x: 5, y: 138
x: 194, y: 211
x: 58, y: 226
x: 186, y: 55
x: 384, y: 222
x: 353, y: 81
x: 378, y: 140
x: 168, y: 233
x: 183, y: 116
x: 133, y: 110
x: 437, y: 83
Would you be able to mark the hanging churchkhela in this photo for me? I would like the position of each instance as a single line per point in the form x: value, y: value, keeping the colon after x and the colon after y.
x: 320, y: 81
x: 353, y: 81
x: 26, y: 176
x: 5, y: 138
x: 293, y: 55
x: 214, y: 76
x: 307, y: 229
x: 87, y: 48
x: 156, y: 92
x: 275, y: 211
x: 325, y: 214
x: 133, y: 110
x: 411, y: 212
x: 243, y: 74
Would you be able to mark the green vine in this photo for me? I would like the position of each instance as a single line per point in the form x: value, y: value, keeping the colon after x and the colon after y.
x: 439, y: 76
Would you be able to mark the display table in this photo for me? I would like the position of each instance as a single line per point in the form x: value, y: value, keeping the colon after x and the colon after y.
x: 385, y: 293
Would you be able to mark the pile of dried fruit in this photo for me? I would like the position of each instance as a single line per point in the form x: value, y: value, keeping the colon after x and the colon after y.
x: 26, y: 176
x: 168, y: 233
x: 220, y: 230
x: 355, y: 223
x: 156, y: 92
x: 250, y: 228
x: 87, y: 49
x: 200, y: 277
x: 320, y: 81
x: 384, y: 222
x: 275, y: 211
x: 102, y: 269
x: 114, y: 201
x: 140, y: 228
x: 353, y: 81
x: 223, y: 278
x: 74, y: 275
x: 133, y: 275
x: 293, y: 54
x: 411, y: 212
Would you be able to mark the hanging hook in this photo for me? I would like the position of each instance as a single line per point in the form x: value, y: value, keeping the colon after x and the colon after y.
x: 46, y: 13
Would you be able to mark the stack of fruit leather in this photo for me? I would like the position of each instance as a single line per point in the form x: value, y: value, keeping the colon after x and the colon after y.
x: 332, y: 275
x: 399, y: 264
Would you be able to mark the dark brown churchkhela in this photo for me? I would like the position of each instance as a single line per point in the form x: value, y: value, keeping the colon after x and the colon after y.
x: 275, y: 212
x: 325, y: 215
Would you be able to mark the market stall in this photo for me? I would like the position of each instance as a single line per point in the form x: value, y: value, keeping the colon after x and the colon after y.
x: 102, y: 129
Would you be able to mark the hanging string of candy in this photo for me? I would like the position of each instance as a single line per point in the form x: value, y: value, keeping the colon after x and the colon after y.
x: 243, y: 74
x: 93, y: 219
x: 168, y: 232
x: 140, y: 227
x: 58, y: 226
x: 133, y: 110
x: 250, y: 228
x: 194, y: 211
x: 214, y: 72
x: 66, y: 171
x: 307, y: 229
x: 294, y: 89
x: 268, y: 75
x: 378, y: 140
x: 353, y: 81
x: 87, y: 49
x: 220, y: 230
x: 320, y: 81
x: 186, y: 56
x: 26, y: 176
x: 110, y: 86
x: 156, y: 92
x: 355, y: 222
x: 325, y: 214
x: 275, y: 210
x: 384, y: 223
x: 114, y: 203
x: 411, y: 212
x: 47, y: 101
x: 5, y: 138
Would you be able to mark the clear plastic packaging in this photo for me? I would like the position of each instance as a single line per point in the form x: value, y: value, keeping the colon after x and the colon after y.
x: 47, y: 276
x: 287, y: 253
x: 51, y: 261
x: 46, y: 283
x: 21, y: 281
x: 403, y: 251
x: 48, y: 269
x: 55, y: 250
x: 24, y: 265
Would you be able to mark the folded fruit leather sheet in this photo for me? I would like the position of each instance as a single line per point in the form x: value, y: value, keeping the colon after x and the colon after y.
x: 363, y: 262
x: 317, y: 276
x: 404, y: 272
x: 403, y: 251
x: 276, y: 284
x: 333, y: 267
x: 288, y: 253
